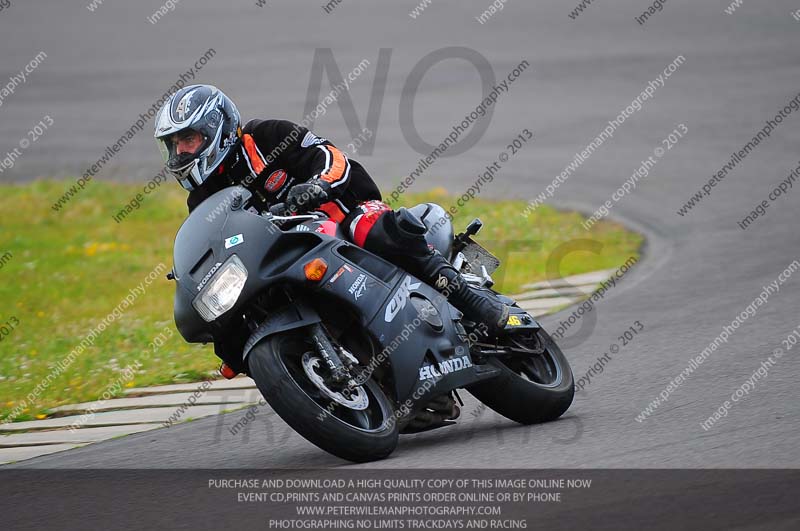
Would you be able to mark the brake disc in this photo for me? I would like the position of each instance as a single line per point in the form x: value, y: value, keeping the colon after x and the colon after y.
x: 358, y: 399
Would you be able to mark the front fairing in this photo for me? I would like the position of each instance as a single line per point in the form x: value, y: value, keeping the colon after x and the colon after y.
x: 214, y: 231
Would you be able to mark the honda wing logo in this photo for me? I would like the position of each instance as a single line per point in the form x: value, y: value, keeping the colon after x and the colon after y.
x: 400, y: 299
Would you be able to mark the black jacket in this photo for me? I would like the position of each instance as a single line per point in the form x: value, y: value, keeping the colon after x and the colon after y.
x: 274, y: 155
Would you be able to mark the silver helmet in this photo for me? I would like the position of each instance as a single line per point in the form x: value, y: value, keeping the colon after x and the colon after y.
x: 208, y: 111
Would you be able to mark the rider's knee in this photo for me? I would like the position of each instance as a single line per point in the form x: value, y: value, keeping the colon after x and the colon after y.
x: 409, y: 222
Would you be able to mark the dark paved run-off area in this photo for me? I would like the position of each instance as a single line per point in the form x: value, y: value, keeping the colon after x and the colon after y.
x: 700, y: 271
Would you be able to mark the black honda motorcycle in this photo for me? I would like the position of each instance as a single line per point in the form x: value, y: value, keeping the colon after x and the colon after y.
x: 347, y: 348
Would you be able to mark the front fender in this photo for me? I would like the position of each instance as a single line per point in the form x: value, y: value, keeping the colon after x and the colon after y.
x: 295, y: 315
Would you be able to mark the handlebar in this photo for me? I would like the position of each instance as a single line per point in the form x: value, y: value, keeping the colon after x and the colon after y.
x: 281, y: 211
x: 278, y: 214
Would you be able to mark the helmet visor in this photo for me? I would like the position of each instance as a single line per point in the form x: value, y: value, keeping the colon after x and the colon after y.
x: 181, y: 164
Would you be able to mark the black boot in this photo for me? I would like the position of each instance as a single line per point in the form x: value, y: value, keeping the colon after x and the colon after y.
x: 476, y: 305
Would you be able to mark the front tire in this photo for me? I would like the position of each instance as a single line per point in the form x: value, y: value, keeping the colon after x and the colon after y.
x: 530, y: 390
x: 356, y: 435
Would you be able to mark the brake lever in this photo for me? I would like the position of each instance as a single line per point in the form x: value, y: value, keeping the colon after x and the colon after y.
x: 278, y: 210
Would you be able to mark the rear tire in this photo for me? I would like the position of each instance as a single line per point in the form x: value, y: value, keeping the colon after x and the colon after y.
x: 358, y: 436
x: 517, y: 395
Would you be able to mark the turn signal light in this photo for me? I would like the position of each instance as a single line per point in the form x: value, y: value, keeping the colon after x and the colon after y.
x: 315, y: 269
x: 227, y: 372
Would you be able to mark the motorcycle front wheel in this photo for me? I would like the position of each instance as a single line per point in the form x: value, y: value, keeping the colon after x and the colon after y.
x: 355, y: 424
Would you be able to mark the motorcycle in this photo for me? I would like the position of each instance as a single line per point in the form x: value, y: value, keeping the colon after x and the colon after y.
x: 348, y: 349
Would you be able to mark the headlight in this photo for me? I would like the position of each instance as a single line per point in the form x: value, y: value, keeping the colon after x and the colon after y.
x: 222, y: 291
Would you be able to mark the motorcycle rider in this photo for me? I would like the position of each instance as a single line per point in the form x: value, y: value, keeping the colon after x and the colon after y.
x: 204, y: 146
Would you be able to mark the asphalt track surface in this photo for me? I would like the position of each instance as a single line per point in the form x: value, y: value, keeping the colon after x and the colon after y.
x: 699, y: 271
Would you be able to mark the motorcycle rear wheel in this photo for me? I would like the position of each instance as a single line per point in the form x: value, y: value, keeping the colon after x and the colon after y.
x: 529, y: 390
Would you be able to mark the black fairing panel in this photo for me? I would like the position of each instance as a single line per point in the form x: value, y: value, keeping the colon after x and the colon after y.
x: 188, y: 322
x: 200, y: 249
x: 271, y: 257
x: 412, y: 342
x: 203, y: 226
x: 282, y: 319
x: 192, y: 252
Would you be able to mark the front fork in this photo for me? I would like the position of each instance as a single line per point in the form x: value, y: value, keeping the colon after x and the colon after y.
x: 329, y: 354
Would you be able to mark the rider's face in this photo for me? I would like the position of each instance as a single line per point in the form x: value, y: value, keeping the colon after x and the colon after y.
x: 187, y: 142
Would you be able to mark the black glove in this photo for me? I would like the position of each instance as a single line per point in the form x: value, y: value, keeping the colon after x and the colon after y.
x: 307, y: 196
